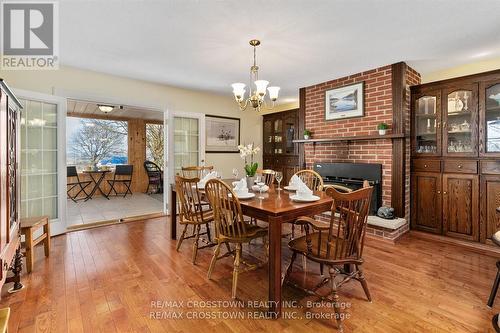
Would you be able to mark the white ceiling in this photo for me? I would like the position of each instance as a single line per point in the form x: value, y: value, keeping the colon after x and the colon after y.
x: 86, y: 108
x: 203, y: 44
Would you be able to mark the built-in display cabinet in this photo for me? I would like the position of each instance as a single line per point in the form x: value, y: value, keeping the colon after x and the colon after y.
x: 280, y: 152
x: 455, y: 160
x: 10, y: 244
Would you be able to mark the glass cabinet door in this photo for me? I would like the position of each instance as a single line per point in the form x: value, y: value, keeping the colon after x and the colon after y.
x: 290, y: 132
x: 490, y: 120
x: 427, y: 124
x: 460, y: 121
x: 268, y: 137
x: 278, y: 136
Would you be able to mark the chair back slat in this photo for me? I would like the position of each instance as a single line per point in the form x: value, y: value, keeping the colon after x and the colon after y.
x: 348, y: 223
x: 227, y: 210
x: 152, y: 169
x: 71, y: 171
x: 267, y: 175
x: 311, y: 178
x: 191, y: 208
x: 124, y: 170
x: 195, y: 171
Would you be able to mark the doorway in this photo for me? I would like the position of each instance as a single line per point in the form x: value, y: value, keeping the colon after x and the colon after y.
x: 112, y: 150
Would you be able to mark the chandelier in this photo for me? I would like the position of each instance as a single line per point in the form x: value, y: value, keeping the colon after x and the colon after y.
x: 256, y: 96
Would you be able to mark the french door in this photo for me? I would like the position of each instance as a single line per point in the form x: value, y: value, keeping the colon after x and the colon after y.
x: 185, y: 142
x: 42, y: 157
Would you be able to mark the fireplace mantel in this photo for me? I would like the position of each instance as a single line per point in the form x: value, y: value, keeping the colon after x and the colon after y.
x: 353, y: 138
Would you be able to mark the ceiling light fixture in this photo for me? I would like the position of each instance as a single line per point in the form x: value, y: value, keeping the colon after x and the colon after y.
x: 105, y: 108
x: 256, y: 96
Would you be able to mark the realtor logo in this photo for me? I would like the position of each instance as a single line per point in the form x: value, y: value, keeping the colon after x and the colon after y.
x: 30, y: 35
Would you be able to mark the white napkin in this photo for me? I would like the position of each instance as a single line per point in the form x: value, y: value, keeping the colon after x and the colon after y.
x: 302, y: 190
x: 205, y: 179
x: 295, y: 181
x: 241, y: 186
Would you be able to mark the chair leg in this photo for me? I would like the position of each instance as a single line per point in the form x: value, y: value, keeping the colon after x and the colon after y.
x: 293, y: 230
x: 195, y: 244
x: 290, y: 267
x: 304, y: 264
x: 236, y: 270
x: 214, y: 260
x: 336, y: 300
x: 321, y: 269
x: 179, y: 242
x: 209, y: 236
x: 361, y: 278
x: 494, y: 288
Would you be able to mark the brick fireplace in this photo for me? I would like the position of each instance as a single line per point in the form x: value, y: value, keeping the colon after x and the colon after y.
x: 386, y: 99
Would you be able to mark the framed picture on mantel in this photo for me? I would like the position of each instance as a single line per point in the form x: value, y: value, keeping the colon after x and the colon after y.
x: 222, y: 134
x: 345, y: 102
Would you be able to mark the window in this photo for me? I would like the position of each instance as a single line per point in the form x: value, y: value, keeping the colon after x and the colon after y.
x: 38, y: 159
x: 154, y: 144
x: 96, y: 142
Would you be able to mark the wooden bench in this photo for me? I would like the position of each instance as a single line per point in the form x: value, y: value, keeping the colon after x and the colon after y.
x: 28, y: 227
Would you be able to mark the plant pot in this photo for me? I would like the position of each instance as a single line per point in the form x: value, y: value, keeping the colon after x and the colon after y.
x: 250, y: 182
x: 382, y: 131
x: 306, y: 137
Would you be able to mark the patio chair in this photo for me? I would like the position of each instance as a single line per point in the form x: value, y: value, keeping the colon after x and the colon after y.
x: 123, y: 175
x: 82, y: 185
x: 155, y: 176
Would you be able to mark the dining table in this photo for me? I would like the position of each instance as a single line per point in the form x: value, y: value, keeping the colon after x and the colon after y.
x: 275, y: 208
x: 97, y: 177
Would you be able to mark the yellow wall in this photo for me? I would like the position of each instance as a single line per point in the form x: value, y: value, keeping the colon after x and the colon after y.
x: 467, y: 69
x: 142, y: 93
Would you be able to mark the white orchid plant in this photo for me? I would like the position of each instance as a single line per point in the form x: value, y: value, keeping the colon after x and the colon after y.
x: 249, y: 151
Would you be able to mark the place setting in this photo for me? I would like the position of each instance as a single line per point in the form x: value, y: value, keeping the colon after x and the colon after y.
x: 302, y: 192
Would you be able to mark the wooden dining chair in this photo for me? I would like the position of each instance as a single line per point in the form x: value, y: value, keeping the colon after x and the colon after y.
x: 339, y: 188
x: 337, y: 244
x: 193, y: 212
x: 267, y: 175
x: 231, y: 228
x: 311, y: 178
x: 77, y: 184
x: 195, y: 171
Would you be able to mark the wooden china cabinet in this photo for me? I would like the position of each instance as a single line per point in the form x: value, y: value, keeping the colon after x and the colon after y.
x: 10, y: 245
x: 455, y: 161
x: 279, y: 151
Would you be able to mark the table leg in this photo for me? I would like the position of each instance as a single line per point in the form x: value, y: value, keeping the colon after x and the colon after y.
x: 274, y: 228
x: 173, y: 213
x: 91, y: 194
x: 98, y: 185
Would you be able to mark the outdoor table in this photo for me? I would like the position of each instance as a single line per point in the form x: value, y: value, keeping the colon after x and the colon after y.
x: 97, y: 177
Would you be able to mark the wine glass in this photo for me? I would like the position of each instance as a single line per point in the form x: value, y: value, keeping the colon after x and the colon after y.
x: 279, y: 178
x: 235, y: 173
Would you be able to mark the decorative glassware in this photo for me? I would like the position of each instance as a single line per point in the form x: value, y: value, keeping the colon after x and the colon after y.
x: 279, y: 178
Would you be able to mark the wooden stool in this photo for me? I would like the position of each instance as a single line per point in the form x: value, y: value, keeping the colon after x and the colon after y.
x: 28, y: 227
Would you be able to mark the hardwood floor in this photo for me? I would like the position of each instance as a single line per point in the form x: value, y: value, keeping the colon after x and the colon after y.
x: 105, y: 280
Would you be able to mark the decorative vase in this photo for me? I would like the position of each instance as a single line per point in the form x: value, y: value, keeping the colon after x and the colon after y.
x: 306, y: 137
x: 250, y: 181
x: 382, y: 131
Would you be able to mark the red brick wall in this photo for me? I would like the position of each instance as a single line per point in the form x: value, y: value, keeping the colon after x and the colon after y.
x: 378, y: 108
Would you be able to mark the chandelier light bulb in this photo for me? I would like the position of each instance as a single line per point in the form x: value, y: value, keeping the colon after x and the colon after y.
x: 238, y: 90
x: 261, y: 86
x: 273, y: 93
